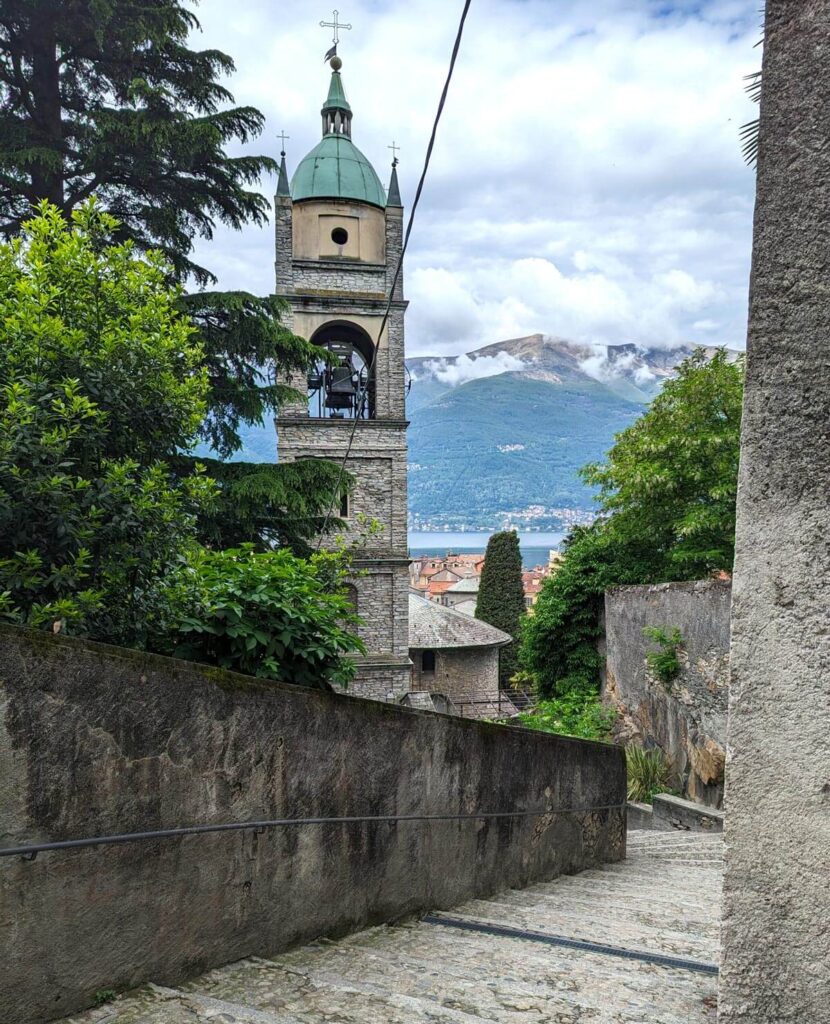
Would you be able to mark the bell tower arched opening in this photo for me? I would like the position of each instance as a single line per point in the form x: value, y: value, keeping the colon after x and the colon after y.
x: 342, y: 386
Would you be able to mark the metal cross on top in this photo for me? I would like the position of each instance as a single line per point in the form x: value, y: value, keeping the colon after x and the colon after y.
x: 336, y: 25
x: 395, y: 148
x: 282, y: 137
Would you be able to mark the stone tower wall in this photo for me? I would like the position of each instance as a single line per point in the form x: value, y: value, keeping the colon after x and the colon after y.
x: 322, y: 291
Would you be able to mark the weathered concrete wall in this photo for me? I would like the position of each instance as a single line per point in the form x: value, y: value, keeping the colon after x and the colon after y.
x: 97, y: 740
x: 687, y: 717
x: 776, y: 960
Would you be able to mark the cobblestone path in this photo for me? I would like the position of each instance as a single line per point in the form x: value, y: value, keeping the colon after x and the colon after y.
x: 664, y: 899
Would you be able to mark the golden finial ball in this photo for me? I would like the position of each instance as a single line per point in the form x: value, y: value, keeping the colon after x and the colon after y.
x: 336, y: 63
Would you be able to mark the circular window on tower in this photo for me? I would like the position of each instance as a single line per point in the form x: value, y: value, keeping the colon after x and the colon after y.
x: 340, y: 236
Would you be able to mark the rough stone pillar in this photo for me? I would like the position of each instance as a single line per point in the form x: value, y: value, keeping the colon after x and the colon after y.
x: 776, y: 962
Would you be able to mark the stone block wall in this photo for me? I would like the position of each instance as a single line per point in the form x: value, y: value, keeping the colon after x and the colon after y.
x: 97, y: 741
x: 378, y: 463
x: 460, y: 674
x: 687, y: 717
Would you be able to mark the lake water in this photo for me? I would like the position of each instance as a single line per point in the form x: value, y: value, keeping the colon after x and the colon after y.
x: 535, y: 547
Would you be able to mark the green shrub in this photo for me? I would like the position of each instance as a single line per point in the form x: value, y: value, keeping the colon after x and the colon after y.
x: 664, y: 663
x: 104, y: 996
x: 267, y: 614
x: 649, y: 773
x: 575, y: 714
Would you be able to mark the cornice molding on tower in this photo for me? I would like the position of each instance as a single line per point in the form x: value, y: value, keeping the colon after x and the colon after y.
x: 362, y: 425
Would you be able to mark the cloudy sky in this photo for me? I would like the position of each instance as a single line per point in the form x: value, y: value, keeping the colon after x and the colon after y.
x: 587, y: 180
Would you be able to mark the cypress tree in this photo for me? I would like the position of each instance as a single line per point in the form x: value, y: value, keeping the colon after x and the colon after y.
x: 501, y: 599
x: 104, y: 97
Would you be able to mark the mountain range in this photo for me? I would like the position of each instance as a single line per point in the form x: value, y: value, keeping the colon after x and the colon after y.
x: 497, y: 435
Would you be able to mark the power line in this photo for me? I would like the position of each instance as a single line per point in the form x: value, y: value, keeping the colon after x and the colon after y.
x: 393, y: 286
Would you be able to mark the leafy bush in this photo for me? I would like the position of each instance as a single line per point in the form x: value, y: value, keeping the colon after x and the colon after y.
x: 267, y: 614
x: 664, y: 663
x: 99, y: 381
x: 575, y: 714
x: 649, y: 773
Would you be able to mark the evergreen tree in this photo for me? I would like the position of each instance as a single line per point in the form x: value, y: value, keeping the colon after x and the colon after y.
x: 105, y: 97
x: 266, y: 504
x: 501, y: 599
x: 246, y: 347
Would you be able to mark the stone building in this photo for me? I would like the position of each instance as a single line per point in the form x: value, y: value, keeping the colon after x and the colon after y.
x: 339, y: 236
x: 455, y: 655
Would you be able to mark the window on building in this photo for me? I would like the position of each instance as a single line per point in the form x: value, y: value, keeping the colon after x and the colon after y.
x: 340, y: 236
x: 427, y: 663
x: 345, y: 504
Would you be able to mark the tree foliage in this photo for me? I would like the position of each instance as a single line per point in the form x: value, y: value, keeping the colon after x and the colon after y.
x: 575, y: 714
x: 268, y: 614
x: 667, y: 494
x: 246, y: 348
x: 501, y: 599
x: 266, y: 504
x: 104, y: 97
x: 100, y: 379
x: 672, y: 477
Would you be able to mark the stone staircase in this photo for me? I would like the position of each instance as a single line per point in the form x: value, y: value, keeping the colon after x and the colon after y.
x: 664, y: 899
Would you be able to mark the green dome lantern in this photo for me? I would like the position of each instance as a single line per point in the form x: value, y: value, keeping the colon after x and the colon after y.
x: 335, y: 168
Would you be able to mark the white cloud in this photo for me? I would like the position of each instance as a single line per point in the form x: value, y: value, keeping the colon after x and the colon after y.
x: 587, y: 179
x: 601, y: 368
x: 462, y: 369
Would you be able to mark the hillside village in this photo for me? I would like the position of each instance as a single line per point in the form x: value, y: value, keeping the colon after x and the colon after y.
x: 259, y: 763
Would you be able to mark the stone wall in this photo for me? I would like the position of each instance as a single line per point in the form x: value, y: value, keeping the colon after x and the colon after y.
x: 460, y: 673
x: 687, y: 717
x: 776, y: 940
x: 97, y: 741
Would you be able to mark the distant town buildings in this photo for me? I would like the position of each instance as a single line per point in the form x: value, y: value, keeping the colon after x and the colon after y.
x: 452, y: 580
x: 533, y: 519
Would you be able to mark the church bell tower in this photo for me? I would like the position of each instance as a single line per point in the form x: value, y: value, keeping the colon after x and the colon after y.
x: 339, y: 235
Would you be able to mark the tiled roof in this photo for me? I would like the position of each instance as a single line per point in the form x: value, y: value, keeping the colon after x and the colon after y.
x: 431, y: 626
x: 440, y: 586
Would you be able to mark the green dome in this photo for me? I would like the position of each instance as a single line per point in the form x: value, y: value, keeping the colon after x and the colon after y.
x: 336, y: 169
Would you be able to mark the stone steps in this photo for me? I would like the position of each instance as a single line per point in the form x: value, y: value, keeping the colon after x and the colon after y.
x: 574, y: 922
x: 665, y: 899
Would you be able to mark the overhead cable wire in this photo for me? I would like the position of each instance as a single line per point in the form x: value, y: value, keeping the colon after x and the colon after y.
x: 399, y: 266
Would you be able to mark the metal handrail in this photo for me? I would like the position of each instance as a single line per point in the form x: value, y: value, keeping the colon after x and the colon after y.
x: 30, y: 851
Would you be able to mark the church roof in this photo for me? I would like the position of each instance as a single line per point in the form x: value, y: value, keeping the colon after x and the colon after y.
x: 335, y: 168
x: 336, y: 99
x: 431, y: 626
